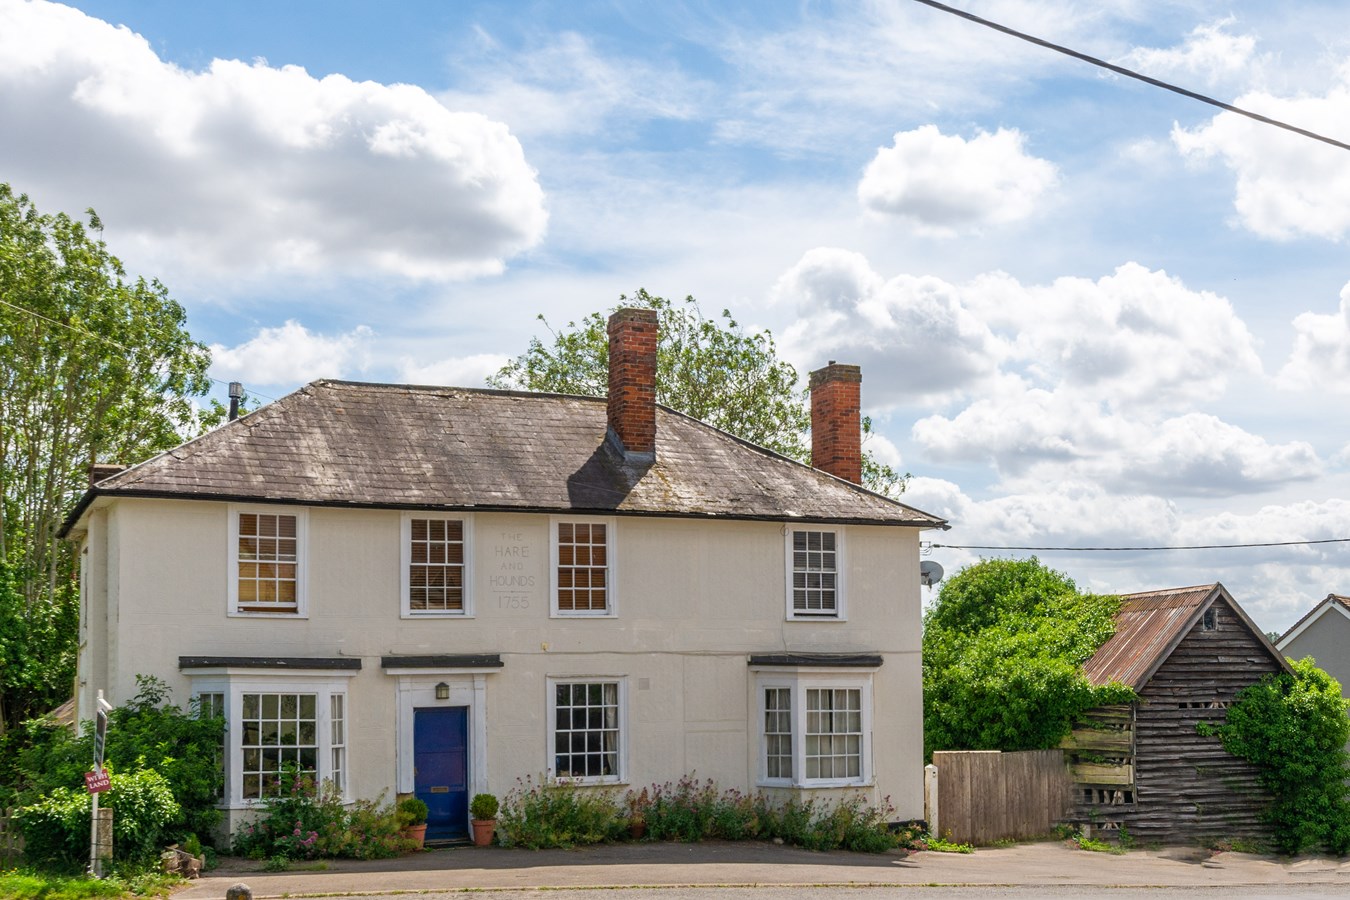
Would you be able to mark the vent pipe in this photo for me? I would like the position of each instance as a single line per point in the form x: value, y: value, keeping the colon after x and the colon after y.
x: 236, y: 394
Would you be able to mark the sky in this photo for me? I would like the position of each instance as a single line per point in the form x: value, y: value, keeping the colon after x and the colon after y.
x: 1089, y: 312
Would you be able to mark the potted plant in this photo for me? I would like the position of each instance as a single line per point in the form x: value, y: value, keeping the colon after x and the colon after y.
x: 483, y: 812
x: 638, y: 804
x: 412, y: 815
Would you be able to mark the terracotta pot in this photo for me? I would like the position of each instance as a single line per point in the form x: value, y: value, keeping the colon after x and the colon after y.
x: 637, y: 828
x: 416, y: 833
x: 483, y: 830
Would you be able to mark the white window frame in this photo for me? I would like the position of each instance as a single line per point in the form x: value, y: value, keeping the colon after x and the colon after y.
x: 840, y: 611
x: 611, y: 609
x: 405, y: 567
x: 798, y: 682
x: 551, y: 683
x: 301, y: 562
x: 323, y: 685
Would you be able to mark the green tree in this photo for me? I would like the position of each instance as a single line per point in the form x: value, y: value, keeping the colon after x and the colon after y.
x: 94, y: 367
x: 1003, y: 651
x: 710, y: 369
x: 1294, y: 729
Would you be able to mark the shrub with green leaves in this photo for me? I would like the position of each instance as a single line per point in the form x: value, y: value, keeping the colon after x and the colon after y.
x: 305, y: 820
x: 1294, y: 729
x: 1003, y: 650
x: 56, y: 828
x: 561, y: 814
x: 180, y: 745
x: 557, y: 814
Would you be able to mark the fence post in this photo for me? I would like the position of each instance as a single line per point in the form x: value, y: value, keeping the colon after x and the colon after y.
x: 103, y: 838
x: 930, y: 798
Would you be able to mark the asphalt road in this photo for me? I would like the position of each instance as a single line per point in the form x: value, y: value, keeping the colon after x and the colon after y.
x: 726, y: 871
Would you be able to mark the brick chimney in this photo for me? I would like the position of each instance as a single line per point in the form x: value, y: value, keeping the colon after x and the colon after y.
x: 836, y: 421
x: 632, y: 380
x: 100, y: 471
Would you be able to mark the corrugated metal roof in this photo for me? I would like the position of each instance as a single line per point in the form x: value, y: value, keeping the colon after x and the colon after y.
x: 1148, y: 626
x: 403, y: 446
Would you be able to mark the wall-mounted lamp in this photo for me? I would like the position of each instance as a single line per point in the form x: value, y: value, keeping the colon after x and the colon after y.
x: 442, y: 691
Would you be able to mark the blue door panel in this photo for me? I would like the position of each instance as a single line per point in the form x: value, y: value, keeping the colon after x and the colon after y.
x: 441, y: 769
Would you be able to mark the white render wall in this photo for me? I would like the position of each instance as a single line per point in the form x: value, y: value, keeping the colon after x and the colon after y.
x: 694, y: 599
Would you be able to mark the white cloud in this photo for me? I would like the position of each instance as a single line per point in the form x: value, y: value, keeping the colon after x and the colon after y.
x: 1275, y: 585
x: 1287, y: 186
x: 1209, y: 56
x: 463, y: 371
x: 291, y: 354
x: 1321, y: 355
x: 1090, y: 381
x: 1136, y: 336
x: 944, y: 183
x: 912, y: 336
x: 1035, y: 437
x: 565, y: 87
x: 249, y: 168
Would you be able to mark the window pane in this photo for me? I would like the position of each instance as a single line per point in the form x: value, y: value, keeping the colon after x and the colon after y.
x: 814, y: 570
x: 582, y: 574
x: 834, y: 733
x: 586, y: 730
x: 436, y: 552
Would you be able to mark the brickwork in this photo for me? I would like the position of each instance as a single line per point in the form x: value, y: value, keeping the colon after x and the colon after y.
x: 836, y: 421
x: 632, y: 378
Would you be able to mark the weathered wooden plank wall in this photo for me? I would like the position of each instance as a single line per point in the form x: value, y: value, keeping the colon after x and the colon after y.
x: 986, y: 796
x: 1187, y: 788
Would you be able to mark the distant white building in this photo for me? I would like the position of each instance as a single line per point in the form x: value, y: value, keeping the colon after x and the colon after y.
x: 440, y: 591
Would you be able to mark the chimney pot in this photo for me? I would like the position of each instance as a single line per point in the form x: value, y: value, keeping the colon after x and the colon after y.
x: 836, y: 421
x: 632, y: 380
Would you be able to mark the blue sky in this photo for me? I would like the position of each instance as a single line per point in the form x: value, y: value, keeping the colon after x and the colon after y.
x: 1088, y: 312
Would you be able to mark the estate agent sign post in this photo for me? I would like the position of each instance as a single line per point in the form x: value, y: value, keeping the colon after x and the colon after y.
x: 97, y: 782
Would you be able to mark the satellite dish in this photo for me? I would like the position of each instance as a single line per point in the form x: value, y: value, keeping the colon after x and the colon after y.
x: 930, y: 573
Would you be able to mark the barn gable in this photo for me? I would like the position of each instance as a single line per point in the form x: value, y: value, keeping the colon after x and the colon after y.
x: 1187, y: 653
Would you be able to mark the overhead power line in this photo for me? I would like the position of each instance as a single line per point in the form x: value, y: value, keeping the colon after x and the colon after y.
x: 1140, y: 549
x: 1138, y: 76
x: 99, y: 337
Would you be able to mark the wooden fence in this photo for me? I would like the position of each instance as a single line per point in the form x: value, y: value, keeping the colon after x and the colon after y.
x: 11, y: 842
x: 983, y: 796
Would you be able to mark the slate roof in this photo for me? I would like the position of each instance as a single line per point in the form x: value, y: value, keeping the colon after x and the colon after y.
x: 342, y: 443
x: 1149, y: 626
x: 1337, y: 599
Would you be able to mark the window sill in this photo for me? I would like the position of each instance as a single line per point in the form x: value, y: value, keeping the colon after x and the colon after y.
x: 436, y: 615
x: 250, y: 614
x: 558, y: 614
x: 816, y: 618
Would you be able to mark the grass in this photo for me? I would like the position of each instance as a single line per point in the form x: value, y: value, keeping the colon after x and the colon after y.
x: 25, y: 884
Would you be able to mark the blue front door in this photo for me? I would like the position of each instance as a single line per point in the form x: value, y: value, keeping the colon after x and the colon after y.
x: 441, y: 769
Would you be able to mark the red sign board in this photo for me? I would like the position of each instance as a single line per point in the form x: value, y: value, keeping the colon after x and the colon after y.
x: 97, y: 781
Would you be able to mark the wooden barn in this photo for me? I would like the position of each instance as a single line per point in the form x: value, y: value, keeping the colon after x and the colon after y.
x: 1186, y: 652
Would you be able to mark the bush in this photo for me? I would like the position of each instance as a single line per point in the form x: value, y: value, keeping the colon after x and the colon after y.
x: 56, y: 828
x: 1294, y: 729
x: 307, y: 821
x: 147, y: 732
x: 412, y: 811
x: 1003, y: 650
x: 558, y: 814
x: 483, y: 806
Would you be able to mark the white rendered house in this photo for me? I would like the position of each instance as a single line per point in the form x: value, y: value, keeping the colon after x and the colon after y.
x: 440, y: 591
